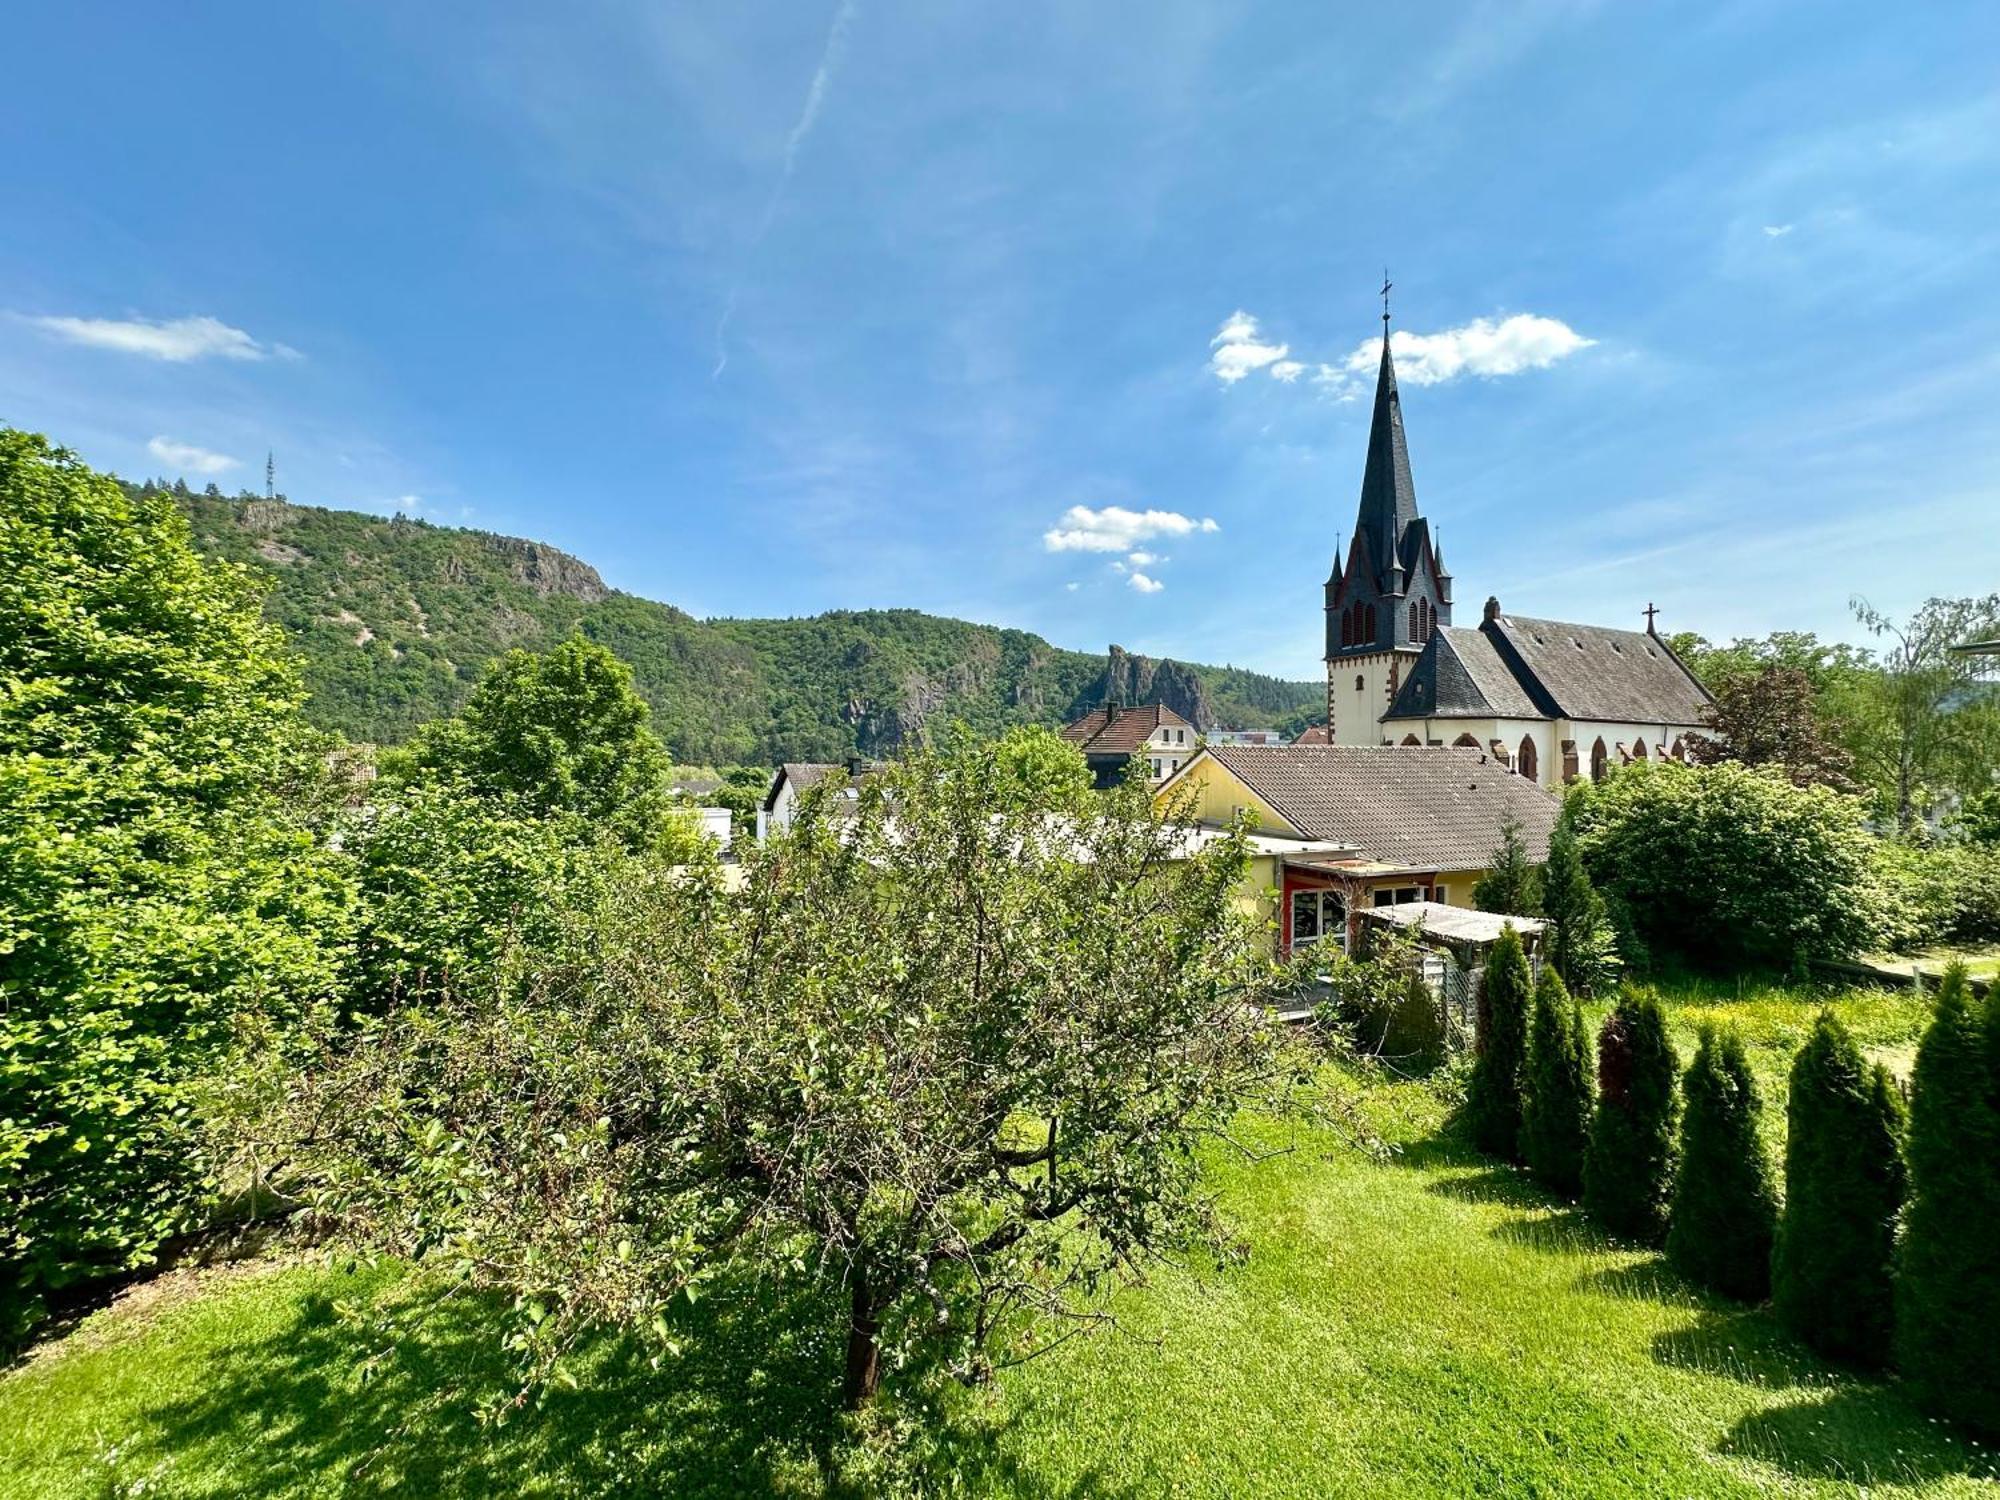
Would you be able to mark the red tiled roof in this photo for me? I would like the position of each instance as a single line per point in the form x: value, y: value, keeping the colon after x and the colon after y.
x: 1112, y: 730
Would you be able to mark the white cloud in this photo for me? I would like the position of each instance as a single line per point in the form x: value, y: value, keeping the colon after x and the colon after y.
x: 1482, y: 347
x: 392, y: 505
x: 178, y: 340
x: 1071, y: 587
x: 1144, y: 584
x: 1116, y: 529
x: 1778, y: 231
x: 1144, y: 559
x: 1238, y: 349
x: 188, y: 458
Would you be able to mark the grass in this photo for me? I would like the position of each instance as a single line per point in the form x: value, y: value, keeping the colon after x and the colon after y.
x: 1426, y: 1325
x: 1980, y: 963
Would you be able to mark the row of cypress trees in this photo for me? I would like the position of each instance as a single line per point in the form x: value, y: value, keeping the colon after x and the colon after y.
x: 1831, y: 1262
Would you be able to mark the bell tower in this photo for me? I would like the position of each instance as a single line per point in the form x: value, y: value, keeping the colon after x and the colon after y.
x: 1390, y: 591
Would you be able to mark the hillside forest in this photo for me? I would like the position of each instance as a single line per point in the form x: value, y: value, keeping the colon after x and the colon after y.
x: 396, y: 619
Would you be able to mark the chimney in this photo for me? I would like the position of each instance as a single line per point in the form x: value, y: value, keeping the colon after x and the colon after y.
x: 854, y: 765
x: 1492, y: 608
x: 1111, y: 712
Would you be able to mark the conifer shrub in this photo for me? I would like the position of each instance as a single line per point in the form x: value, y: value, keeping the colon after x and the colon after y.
x: 1555, y: 1108
x: 1948, y: 1282
x: 1581, y: 942
x: 1844, y: 1180
x: 1725, y: 1209
x: 1628, y: 1172
x: 1493, y: 1094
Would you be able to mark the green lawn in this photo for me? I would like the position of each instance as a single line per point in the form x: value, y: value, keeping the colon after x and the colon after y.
x: 1429, y: 1325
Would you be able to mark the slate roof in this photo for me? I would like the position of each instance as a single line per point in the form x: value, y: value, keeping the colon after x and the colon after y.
x: 1592, y: 672
x: 1461, y: 675
x: 1113, y: 730
x: 1426, y: 808
x: 1388, y: 493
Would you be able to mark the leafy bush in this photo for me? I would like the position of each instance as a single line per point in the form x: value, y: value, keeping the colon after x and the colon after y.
x: 1844, y: 1179
x: 1555, y: 1112
x: 1948, y: 1282
x: 1493, y: 1094
x: 1725, y: 1208
x: 1726, y: 865
x: 1380, y: 1002
x: 1628, y: 1173
x: 157, y: 899
x: 1934, y: 895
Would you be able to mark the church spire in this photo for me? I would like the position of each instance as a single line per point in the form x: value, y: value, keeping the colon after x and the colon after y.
x: 1388, y: 494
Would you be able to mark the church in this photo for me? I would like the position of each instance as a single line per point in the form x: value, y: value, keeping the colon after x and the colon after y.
x: 1546, y: 699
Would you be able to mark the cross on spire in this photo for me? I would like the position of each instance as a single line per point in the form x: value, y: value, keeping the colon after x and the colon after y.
x: 1386, y: 284
x: 1651, y: 610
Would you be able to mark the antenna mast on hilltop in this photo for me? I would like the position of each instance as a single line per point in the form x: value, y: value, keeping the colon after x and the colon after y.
x: 270, y: 475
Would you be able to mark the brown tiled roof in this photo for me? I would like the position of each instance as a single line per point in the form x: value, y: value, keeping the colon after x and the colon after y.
x: 1120, y: 731
x: 1592, y: 672
x: 1314, y: 734
x: 1424, y: 807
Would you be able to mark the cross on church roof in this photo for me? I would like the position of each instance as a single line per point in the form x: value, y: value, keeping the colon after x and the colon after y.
x: 1386, y: 284
x: 1651, y: 610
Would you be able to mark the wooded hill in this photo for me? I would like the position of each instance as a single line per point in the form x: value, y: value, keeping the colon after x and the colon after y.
x: 397, y: 617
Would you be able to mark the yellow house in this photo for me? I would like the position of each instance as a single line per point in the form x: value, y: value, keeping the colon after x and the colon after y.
x: 1340, y: 828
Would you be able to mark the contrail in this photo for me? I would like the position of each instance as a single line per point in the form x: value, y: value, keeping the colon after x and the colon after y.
x: 829, y: 64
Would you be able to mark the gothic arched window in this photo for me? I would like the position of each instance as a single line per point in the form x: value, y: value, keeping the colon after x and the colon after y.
x: 1525, y: 761
x: 1597, y: 758
x: 1416, y: 620
x: 1466, y: 742
x: 1347, y: 626
x: 1411, y: 739
x: 1639, y: 750
x: 1372, y: 633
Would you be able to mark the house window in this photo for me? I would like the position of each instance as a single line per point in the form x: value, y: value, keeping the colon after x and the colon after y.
x: 1316, y: 915
x: 1360, y: 683
x: 1156, y: 768
x: 1401, y: 895
x: 1441, y: 894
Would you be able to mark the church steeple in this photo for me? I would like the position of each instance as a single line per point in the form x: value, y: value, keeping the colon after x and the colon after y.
x: 1388, y: 493
x: 1389, y: 591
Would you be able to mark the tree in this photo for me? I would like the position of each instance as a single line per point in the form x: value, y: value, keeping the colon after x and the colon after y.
x: 1948, y: 1281
x: 1493, y: 1096
x: 1772, y: 717
x: 1580, y: 941
x: 1726, y: 865
x: 1844, y: 1180
x: 1978, y: 820
x: 158, y: 901
x: 1725, y: 1208
x: 1924, y: 722
x: 1555, y: 1114
x: 1036, y: 767
x: 560, y: 731
x: 1628, y: 1172
x: 1512, y: 882
x: 951, y: 1052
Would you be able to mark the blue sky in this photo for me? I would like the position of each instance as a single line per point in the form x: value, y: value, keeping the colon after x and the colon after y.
x: 769, y: 309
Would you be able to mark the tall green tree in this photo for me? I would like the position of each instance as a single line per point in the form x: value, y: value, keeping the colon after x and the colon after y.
x: 1038, y: 767
x: 1512, y: 883
x: 1923, y: 722
x: 1844, y: 1182
x: 1725, y: 1208
x: 1493, y: 1095
x: 1628, y: 1172
x: 158, y: 899
x: 1555, y: 1114
x: 556, y: 732
x: 1948, y: 1282
x: 1580, y: 940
